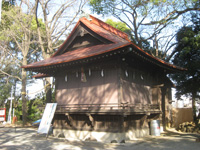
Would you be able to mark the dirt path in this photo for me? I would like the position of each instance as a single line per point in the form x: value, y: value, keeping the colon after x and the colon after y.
x: 27, y: 139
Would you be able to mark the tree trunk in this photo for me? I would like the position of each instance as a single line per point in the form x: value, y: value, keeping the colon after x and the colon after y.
x: 47, y: 82
x: 45, y: 56
x: 23, y: 92
x: 48, y: 90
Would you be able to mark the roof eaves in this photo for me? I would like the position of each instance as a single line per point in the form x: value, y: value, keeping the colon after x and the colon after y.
x: 159, y: 60
x: 31, y: 66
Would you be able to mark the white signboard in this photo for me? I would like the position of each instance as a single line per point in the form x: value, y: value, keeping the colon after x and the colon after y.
x: 47, y: 118
x: 2, y: 114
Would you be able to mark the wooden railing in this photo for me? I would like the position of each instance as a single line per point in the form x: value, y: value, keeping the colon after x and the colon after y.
x: 107, y: 107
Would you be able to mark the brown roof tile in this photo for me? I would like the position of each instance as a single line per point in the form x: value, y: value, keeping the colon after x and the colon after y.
x: 119, y: 39
x: 77, y: 54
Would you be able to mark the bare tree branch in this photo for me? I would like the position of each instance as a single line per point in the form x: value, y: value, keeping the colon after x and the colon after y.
x: 172, y: 15
x: 10, y: 75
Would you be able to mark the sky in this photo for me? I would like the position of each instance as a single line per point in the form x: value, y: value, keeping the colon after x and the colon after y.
x: 33, y: 89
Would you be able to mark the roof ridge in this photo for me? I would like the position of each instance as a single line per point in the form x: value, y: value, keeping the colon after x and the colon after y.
x: 109, y: 28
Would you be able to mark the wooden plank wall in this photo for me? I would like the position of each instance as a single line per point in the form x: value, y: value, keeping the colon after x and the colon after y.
x: 97, y: 89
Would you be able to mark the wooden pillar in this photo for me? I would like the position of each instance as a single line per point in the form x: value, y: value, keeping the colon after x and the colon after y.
x: 163, y: 90
x: 122, y: 128
x: 119, y: 88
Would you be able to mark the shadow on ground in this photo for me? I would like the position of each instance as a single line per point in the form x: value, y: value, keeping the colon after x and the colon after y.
x: 26, y: 139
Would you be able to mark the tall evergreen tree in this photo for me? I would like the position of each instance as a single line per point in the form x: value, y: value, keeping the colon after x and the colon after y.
x: 188, y: 56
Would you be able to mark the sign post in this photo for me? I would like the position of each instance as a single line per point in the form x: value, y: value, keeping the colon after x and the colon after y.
x: 10, y: 109
x: 47, y: 118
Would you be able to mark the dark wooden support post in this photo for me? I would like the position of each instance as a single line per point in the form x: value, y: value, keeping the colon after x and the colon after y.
x: 163, y: 89
x: 69, y: 119
x: 122, y: 128
x: 119, y: 88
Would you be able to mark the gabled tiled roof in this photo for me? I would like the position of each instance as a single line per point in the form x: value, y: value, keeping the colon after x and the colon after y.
x: 118, y: 40
x: 117, y: 37
x: 104, y: 30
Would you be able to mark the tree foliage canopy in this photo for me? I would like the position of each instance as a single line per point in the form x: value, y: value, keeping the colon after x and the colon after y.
x: 119, y: 25
x: 188, y: 56
x: 147, y: 19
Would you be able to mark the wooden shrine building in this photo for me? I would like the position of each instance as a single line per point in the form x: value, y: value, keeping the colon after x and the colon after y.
x: 107, y: 88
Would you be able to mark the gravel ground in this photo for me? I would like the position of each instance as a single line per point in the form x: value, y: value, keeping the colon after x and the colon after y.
x: 27, y: 139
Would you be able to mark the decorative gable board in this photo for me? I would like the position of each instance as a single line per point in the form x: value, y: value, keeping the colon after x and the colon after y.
x: 83, y: 37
